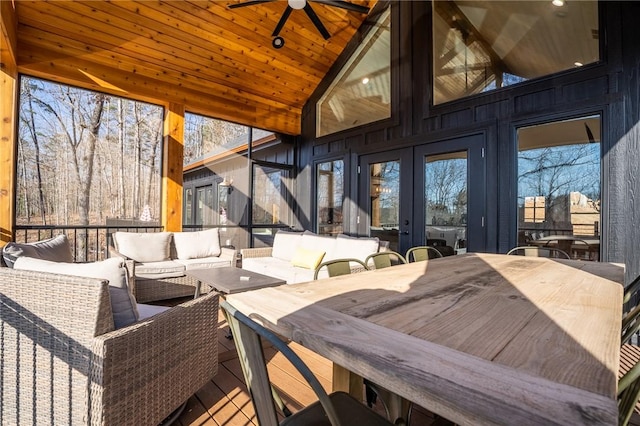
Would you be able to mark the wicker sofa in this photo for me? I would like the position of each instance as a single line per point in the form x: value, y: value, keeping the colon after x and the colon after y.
x: 63, y: 362
x: 161, y: 260
x: 295, y: 255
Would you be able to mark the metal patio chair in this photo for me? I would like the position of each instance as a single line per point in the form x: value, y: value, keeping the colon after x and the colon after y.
x: 337, y: 267
x: 421, y: 253
x: 535, y: 251
x: 384, y: 259
x: 337, y: 408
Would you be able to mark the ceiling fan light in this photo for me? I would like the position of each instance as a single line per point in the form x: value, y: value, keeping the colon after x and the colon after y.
x: 297, y: 4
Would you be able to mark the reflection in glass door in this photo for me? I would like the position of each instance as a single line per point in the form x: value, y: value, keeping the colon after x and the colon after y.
x: 204, y: 206
x: 384, y: 201
x: 446, y: 202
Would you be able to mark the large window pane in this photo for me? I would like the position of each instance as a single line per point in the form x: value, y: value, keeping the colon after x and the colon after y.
x: 361, y: 93
x: 330, y: 193
x: 559, y: 186
x: 484, y: 45
x: 85, y: 156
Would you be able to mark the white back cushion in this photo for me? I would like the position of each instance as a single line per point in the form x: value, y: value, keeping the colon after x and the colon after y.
x: 353, y: 247
x: 285, y: 244
x: 123, y: 304
x: 311, y: 241
x: 196, y: 245
x: 143, y: 246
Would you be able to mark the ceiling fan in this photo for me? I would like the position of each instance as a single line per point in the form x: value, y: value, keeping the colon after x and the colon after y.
x: 278, y: 41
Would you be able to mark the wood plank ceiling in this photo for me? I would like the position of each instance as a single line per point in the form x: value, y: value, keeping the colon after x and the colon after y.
x: 214, y: 60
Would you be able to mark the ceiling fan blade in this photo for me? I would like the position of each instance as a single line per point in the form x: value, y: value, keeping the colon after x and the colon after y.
x: 316, y: 21
x: 248, y: 3
x: 589, y: 133
x: 346, y: 5
x: 282, y: 21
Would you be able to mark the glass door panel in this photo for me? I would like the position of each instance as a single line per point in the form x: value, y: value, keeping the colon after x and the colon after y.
x: 384, y: 201
x: 330, y: 190
x: 445, y: 195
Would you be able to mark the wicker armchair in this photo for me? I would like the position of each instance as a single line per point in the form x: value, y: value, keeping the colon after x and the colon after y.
x: 63, y: 363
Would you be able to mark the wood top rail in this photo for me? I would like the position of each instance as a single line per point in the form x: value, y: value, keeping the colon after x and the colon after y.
x: 477, y: 338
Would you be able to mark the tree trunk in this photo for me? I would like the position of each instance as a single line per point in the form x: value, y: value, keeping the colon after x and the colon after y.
x: 36, y: 145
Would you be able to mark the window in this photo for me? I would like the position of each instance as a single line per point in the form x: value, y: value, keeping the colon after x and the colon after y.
x: 361, y: 93
x: 86, y: 158
x: 484, y: 45
x: 209, y: 136
x: 270, y: 196
x: 559, y: 181
x: 188, y: 202
x: 330, y: 192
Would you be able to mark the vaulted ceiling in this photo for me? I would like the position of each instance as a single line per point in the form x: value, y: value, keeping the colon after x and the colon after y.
x: 212, y: 59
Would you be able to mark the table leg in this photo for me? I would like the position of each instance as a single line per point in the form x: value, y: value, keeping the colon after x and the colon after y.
x: 346, y: 381
x: 197, y: 293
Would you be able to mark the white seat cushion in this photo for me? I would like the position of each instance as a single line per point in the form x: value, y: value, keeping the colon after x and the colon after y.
x: 278, y: 268
x: 205, y: 262
x: 157, y: 270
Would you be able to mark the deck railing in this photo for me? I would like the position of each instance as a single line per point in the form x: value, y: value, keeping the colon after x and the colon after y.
x: 93, y: 242
x: 88, y: 243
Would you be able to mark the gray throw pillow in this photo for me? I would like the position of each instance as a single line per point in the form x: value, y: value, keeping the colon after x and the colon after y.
x: 56, y: 249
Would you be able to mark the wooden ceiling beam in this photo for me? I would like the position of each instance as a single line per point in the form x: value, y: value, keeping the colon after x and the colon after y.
x: 92, y: 76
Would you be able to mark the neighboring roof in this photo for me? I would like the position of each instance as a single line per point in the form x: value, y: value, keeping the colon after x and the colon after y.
x: 237, y: 146
x: 213, y: 60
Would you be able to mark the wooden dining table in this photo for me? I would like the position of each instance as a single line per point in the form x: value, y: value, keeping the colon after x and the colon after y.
x: 476, y: 338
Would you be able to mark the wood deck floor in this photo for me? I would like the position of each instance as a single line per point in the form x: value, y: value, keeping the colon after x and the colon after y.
x: 225, y: 401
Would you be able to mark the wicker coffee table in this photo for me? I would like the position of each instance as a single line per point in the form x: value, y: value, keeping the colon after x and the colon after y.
x: 229, y: 279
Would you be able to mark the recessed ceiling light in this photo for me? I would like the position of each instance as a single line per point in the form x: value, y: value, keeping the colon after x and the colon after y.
x: 577, y: 64
x: 558, y: 3
x: 365, y: 80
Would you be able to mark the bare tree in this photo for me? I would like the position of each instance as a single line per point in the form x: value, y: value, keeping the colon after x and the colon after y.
x: 30, y: 122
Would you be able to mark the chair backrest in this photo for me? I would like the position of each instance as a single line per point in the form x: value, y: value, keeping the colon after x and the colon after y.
x: 629, y: 382
x: 631, y: 314
x: 247, y: 334
x: 337, y: 267
x: 49, y: 321
x: 384, y: 259
x: 535, y: 251
x: 421, y: 253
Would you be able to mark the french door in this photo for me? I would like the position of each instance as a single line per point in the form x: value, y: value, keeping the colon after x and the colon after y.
x: 450, y: 201
x: 429, y: 194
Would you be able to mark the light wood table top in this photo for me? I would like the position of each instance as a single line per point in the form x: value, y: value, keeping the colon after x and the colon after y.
x: 476, y: 338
